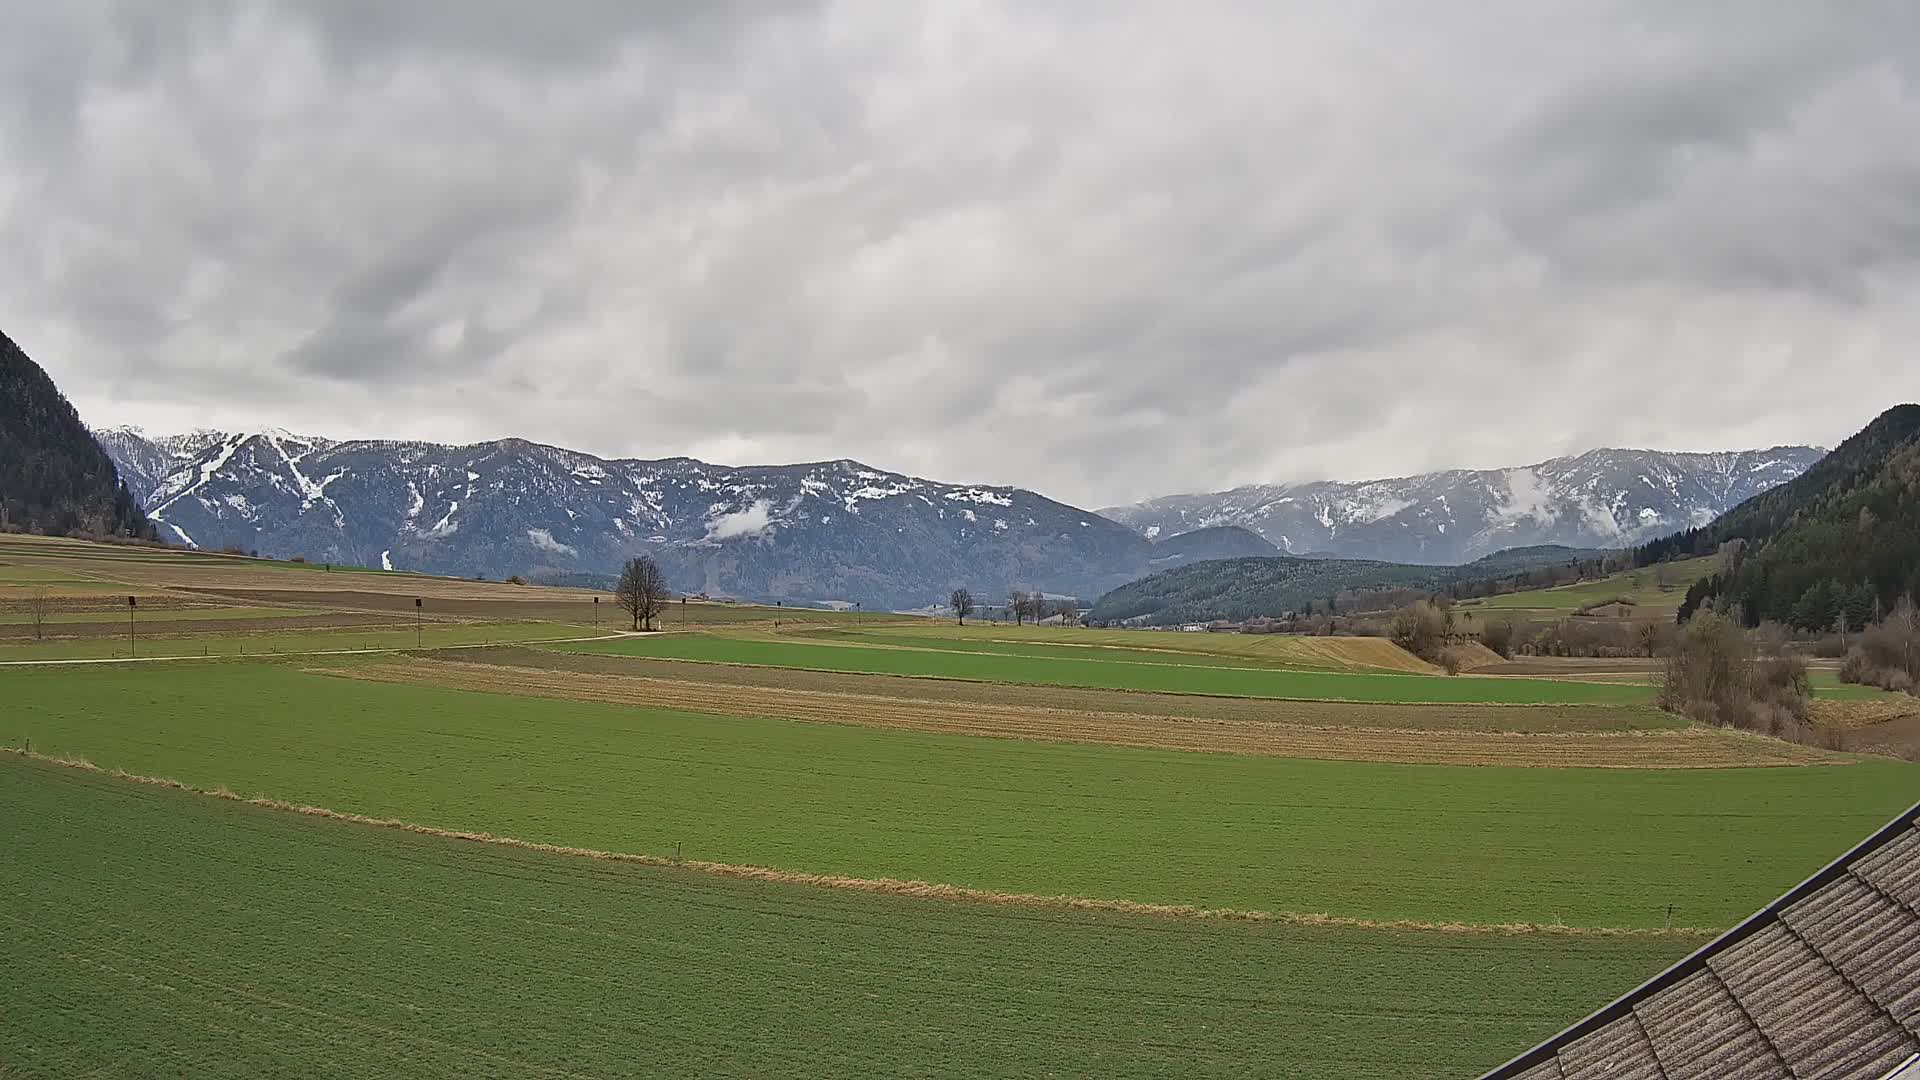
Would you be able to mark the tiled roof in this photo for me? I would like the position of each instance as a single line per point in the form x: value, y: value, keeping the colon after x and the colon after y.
x: 1825, y: 982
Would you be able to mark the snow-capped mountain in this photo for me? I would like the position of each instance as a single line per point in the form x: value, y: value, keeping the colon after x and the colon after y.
x: 1602, y: 498
x: 825, y: 530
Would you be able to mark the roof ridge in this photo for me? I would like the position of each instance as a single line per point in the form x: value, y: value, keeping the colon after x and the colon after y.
x: 1698, y: 960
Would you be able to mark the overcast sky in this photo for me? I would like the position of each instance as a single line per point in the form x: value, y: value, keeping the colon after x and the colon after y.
x: 1104, y: 250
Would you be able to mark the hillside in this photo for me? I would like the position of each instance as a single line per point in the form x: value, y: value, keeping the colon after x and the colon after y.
x: 1214, y: 542
x: 1602, y: 498
x: 1252, y: 587
x: 1842, y: 537
x: 53, y: 477
x: 796, y: 533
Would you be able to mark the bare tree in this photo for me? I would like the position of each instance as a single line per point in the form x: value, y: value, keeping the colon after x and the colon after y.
x: 37, y: 612
x: 962, y: 604
x: 1037, y: 607
x: 1018, y: 603
x: 1068, y: 610
x: 642, y: 591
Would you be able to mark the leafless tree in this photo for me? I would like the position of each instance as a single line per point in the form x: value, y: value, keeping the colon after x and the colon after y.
x: 1037, y: 607
x: 1068, y: 610
x: 962, y: 604
x: 37, y: 606
x: 1018, y: 603
x: 642, y: 591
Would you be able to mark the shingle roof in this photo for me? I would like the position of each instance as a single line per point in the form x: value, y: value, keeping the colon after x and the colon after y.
x: 1824, y: 982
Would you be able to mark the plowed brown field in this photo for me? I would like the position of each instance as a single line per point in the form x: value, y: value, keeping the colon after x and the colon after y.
x: 1685, y: 748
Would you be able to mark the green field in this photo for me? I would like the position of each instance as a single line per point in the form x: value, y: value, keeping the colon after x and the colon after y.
x: 1163, y: 676
x: 269, y: 642
x: 1070, y: 646
x: 153, y: 932
x: 1641, y: 586
x: 1590, y: 847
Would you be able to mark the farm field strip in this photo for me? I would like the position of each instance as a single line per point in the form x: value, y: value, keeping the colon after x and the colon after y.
x: 1583, y: 847
x: 963, y: 694
x: 1067, y: 650
x: 118, y: 614
x: 1328, y: 653
x: 371, y: 952
x: 1685, y: 748
x: 153, y: 644
x: 1119, y: 675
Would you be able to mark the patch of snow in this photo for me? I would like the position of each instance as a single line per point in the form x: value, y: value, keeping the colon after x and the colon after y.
x: 415, y: 502
x: 207, y: 470
x: 472, y: 476
x: 1000, y: 524
x: 386, y: 559
x: 543, y: 539
x: 181, y: 531
x: 981, y: 496
x: 1649, y: 515
x: 969, y: 515
x: 1153, y: 531
x: 825, y: 520
x: 239, y: 503
x: 446, y: 526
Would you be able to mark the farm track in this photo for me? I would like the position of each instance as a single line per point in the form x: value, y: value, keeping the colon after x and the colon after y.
x: 1685, y: 748
x: 968, y: 693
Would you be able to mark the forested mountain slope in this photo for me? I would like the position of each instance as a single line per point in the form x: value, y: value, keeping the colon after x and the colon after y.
x: 54, y: 478
x: 1841, y: 539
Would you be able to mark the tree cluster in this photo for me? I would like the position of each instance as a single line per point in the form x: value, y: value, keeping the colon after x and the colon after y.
x: 642, y: 591
x: 1713, y: 676
x: 1888, y: 653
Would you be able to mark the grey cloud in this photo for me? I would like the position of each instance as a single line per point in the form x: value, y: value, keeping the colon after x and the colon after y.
x: 1093, y: 249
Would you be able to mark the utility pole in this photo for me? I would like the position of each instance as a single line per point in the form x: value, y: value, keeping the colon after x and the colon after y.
x: 417, y: 632
x: 130, y: 607
x: 596, y: 613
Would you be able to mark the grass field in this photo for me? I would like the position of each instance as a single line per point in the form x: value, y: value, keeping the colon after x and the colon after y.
x: 1588, y: 847
x: 1161, y: 676
x: 1641, y: 586
x: 153, y: 931
x: 156, y: 932
x: 1446, y: 738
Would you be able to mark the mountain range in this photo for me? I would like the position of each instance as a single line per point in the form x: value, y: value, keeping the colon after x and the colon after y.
x: 797, y: 533
x: 1602, y: 498
x: 842, y: 530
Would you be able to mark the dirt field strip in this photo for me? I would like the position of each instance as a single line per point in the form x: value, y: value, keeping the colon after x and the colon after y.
x: 390, y: 651
x: 1674, y: 748
x: 888, y: 886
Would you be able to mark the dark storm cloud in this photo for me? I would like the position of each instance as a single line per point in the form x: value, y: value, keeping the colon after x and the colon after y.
x: 1104, y: 250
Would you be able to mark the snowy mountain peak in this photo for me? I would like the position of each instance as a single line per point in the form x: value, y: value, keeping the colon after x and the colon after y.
x: 1605, y: 497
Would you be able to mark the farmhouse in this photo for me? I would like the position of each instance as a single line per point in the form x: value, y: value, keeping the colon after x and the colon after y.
x: 1825, y: 981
